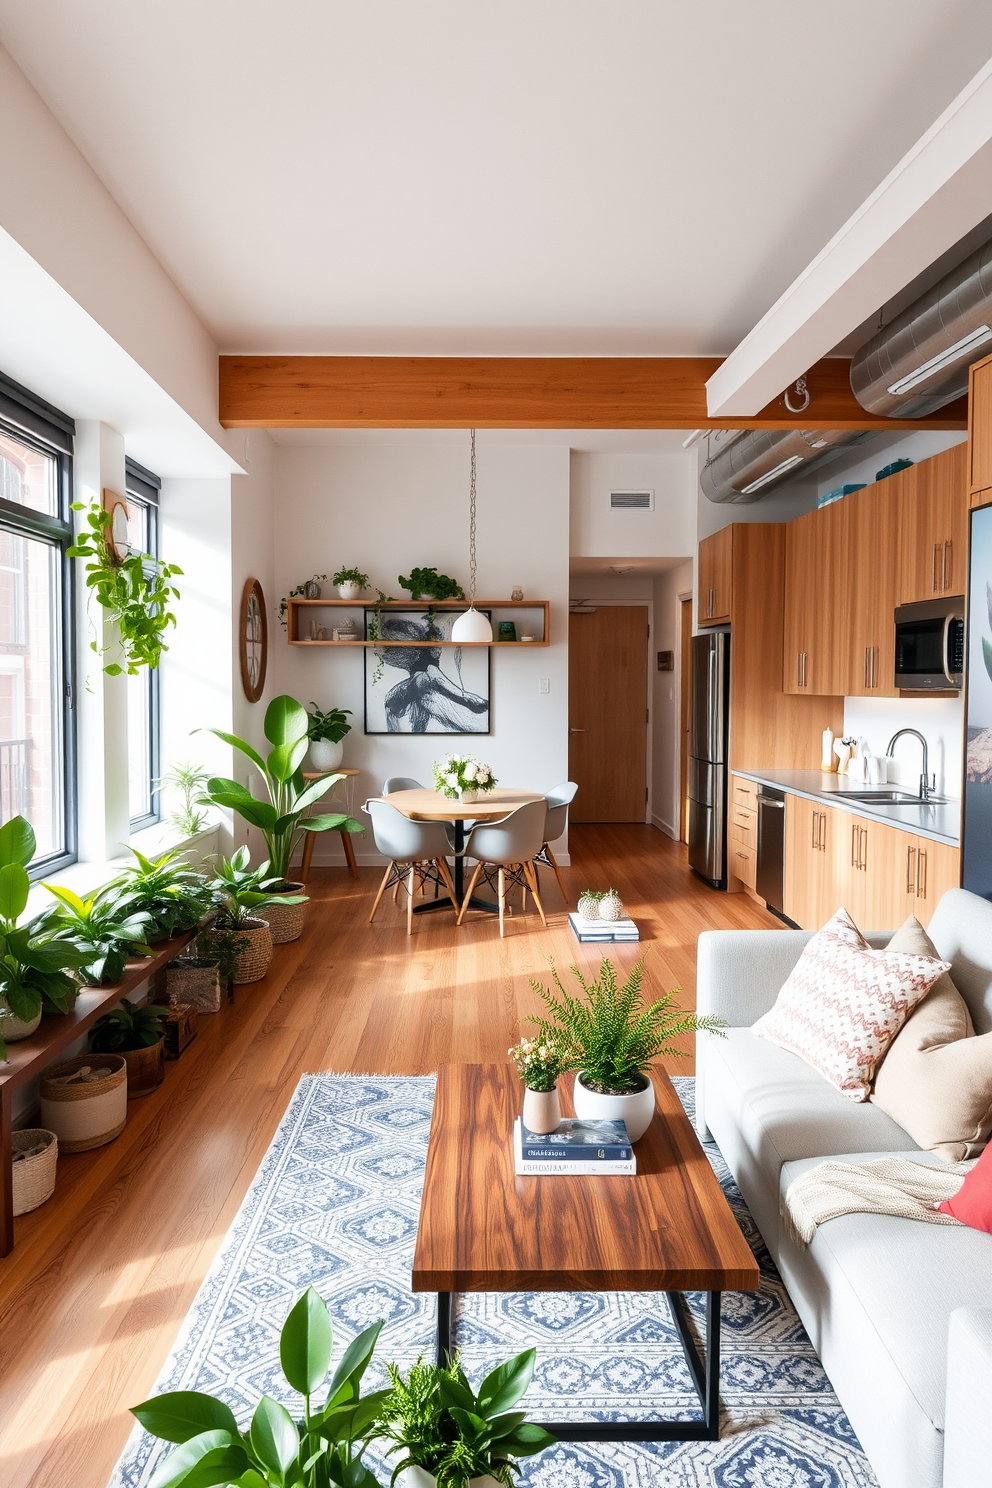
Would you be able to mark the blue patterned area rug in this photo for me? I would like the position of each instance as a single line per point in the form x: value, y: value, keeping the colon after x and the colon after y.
x: 335, y: 1205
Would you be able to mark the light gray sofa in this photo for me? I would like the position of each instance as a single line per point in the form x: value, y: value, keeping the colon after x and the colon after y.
x: 899, y: 1312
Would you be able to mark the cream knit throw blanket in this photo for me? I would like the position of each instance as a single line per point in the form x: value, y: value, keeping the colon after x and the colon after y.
x: 891, y: 1185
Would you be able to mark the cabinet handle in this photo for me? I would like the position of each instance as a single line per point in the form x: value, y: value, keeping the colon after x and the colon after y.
x: 937, y: 550
x: 867, y: 668
x: 921, y: 874
x: 823, y: 831
x: 910, y: 867
x: 948, y: 567
x: 814, y: 831
x: 874, y: 665
x: 864, y: 854
x: 855, y: 844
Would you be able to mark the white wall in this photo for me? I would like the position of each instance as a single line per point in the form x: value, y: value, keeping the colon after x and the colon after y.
x: 388, y: 507
x: 669, y: 590
x: 940, y: 720
x: 599, y: 532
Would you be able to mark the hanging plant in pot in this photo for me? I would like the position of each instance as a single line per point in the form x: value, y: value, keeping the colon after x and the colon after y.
x: 135, y: 589
x: 325, y: 732
x: 613, y: 1038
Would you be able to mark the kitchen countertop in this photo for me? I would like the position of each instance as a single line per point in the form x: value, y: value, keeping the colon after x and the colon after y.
x: 940, y: 823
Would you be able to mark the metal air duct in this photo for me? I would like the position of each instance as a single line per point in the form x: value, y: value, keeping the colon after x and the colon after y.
x: 757, y: 459
x: 920, y: 361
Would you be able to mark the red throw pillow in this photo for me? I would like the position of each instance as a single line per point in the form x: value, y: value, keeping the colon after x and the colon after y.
x: 972, y: 1204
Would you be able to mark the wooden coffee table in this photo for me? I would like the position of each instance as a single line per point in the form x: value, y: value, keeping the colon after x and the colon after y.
x: 668, y: 1229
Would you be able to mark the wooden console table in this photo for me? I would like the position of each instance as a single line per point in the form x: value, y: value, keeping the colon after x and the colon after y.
x: 30, y: 1056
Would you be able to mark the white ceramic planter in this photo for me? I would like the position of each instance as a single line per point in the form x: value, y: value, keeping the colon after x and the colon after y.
x: 13, y: 1028
x: 542, y: 1113
x: 419, y: 1477
x: 349, y: 591
x: 469, y: 795
x: 325, y: 754
x: 635, y: 1109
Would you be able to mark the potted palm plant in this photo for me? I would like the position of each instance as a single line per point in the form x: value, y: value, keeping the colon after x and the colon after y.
x: 281, y: 819
x: 612, y: 1038
x: 448, y: 1436
x: 136, y: 1032
x: 326, y: 730
x: 324, y: 1448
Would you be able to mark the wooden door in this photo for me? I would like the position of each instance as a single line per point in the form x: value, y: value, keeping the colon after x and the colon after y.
x: 715, y: 577
x: 607, y: 713
x: 937, y: 869
x: 980, y: 433
x: 685, y: 696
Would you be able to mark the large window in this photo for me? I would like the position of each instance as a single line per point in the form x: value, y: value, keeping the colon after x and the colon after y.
x: 143, y: 714
x: 37, y: 755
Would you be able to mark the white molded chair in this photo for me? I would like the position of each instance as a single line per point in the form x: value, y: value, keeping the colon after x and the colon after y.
x: 559, y: 799
x: 400, y: 782
x: 509, y: 846
x: 417, y: 852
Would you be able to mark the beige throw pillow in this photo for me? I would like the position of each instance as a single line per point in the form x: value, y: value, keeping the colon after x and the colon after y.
x: 936, y: 1079
x: 844, y: 1003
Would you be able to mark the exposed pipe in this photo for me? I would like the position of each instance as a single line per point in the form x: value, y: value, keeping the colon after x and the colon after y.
x: 757, y: 460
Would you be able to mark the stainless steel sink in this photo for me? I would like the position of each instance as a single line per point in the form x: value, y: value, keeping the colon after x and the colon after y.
x: 890, y: 798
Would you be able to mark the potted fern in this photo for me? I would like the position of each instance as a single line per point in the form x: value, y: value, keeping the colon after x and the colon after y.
x: 612, y: 1039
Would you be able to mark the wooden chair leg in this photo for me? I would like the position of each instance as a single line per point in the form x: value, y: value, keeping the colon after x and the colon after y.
x: 307, y: 856
x: 442, y: 868
x: 552, y: 860
x: 382, y: 886
x: 349, y: 852
x: 502, y: 899
x: 471, y: 890
x: 530, y: 872
x: 409, y: 900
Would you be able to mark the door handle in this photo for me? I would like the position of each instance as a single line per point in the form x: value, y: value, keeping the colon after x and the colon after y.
x: 937, y: 550
x: 576, y: 731
x: 921, y: 874
x: 910, y: 869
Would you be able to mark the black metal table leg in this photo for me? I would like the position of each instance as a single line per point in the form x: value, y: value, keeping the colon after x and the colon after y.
x: 443, y: 1327
x: 430, y: 905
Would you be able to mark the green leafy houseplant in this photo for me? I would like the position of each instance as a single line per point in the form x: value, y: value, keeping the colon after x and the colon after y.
x: 126, y: 1028
x: 428, y: 582
x: 610, y: 1035
x: 189, y: 781
x: 332, y: 725
x: 325, y: 1448
x: 351, y: 576
x: 173, y: 895
x: 105, y: 927
x: 242, y: 892
x: 136, y: 593
x: 280, y: 819
x: 35, y: 957
x: 439, y: 1423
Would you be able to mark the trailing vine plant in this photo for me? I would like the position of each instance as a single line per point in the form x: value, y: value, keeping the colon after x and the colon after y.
x: 135, y: 591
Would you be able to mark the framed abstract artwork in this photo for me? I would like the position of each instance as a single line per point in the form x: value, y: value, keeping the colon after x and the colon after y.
x: 423, y: 689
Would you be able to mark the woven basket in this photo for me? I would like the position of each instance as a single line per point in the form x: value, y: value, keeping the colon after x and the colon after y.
x: 286, y: 920
x: 33, y: 1180
x: 85, y: 1116
x: 253, y: 962
x: 145, y: 1069
x: 195, y: 980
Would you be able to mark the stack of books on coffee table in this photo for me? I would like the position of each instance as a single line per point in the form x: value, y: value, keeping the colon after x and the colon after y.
x: 607, y: 931
x: 574, y: 1148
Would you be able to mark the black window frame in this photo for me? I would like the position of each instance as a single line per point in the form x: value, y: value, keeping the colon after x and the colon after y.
x: 37, y: 424
x: 143, y: 487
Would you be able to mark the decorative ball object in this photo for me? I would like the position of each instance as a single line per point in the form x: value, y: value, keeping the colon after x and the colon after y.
x: 589, y: 905
x: 610, y: 906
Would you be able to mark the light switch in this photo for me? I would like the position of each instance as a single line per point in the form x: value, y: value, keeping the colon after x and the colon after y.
x: 544, y: 685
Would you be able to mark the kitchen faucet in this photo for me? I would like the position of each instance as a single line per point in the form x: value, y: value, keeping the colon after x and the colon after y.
x: 926, y: 784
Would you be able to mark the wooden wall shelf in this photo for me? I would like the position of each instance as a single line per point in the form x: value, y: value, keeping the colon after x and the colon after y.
x: 295, y: 607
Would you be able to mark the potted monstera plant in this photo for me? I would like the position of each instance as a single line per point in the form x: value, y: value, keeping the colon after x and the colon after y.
x: 283, y: 818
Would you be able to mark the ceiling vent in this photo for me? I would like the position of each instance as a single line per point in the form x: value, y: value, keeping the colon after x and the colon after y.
x: 631, y: 501
x: 749, y: 466
x: 920, y: 361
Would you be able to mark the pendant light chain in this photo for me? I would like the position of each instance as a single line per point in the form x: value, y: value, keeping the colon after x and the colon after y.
x: 471, y: 526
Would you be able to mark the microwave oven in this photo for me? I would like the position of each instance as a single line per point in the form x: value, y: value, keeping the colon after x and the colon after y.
x: 930, y: 645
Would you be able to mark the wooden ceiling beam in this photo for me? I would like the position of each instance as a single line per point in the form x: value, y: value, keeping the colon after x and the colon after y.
x: 344, y: 392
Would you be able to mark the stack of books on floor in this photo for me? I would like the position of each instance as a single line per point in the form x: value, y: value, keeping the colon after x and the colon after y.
x: 607, y: 931
x: 575, y: 1148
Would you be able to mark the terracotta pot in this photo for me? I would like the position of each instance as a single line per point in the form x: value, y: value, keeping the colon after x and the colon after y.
x: 286, y: 920
x: 145, y: 1069
x: 542, y: 1113
x: 636, y: 1109
x: 326, y: 754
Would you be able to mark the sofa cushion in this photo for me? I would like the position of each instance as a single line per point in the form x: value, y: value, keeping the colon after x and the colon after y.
x: 936, y: 1079
x: 908, y: 1277
x: 844, y: 1003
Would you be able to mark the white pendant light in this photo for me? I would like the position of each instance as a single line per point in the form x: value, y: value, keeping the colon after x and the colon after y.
x: 472, y: 626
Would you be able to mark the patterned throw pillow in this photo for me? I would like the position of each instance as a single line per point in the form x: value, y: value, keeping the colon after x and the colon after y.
x: 844, y: 1004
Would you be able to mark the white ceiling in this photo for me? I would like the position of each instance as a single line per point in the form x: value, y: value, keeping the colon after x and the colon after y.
x: 567, y: 176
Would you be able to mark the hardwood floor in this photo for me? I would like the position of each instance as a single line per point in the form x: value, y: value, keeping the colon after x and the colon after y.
x: 103, y: 1274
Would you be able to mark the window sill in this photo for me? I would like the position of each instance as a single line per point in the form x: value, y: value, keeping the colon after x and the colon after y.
x: 83, y: 878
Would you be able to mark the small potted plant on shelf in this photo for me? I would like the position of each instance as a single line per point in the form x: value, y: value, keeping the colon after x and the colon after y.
x: 175, y: 896
x: 351, y: 582
x: 324, y: 1448
x: 448, y: 1436
x: 325, y: 732
x: 135, y: 1032
x: 460, y: 777
x: 308, y: 590
x: 427, y: 584
x: 540, y: 1062
x: 612, y: 1038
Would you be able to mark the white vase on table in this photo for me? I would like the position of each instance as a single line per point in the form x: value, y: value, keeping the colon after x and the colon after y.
x: 326, y: 754
x: 636, y: 1108
x: 542, y: 1111
x: 469, y: 795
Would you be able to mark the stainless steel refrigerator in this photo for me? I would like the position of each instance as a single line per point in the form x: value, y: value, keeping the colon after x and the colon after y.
x: 976, y: 817
x: 709, y: 711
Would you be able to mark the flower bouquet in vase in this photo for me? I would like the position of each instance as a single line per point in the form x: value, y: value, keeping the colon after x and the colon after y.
x: 539, y: 1062
x: 459, y: 777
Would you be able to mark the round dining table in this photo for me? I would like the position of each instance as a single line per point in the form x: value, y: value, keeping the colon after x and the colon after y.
x: 489, y: 806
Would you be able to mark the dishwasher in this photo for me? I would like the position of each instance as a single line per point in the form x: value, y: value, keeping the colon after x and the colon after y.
x: 769, y: 882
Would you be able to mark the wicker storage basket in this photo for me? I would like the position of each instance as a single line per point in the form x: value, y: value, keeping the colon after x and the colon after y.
x: 194, y: 979
x: 253, y: 962
x: 85, y: 1115
x: 33, y: 1178
x: 145, y: 1069
x: 286, y: 920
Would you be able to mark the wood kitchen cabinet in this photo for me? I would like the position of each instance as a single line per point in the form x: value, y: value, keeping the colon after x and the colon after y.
x: 811, y: 853
x: 715, y: 578
x: 866, y: 591
x: 806, y: 583
x: 931, y: 523
x: 980, y: 433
